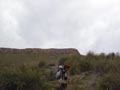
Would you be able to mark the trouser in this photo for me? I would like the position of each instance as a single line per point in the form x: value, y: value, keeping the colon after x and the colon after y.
x: 63, y: 86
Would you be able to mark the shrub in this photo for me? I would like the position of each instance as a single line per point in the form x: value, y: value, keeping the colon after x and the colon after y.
x: 63, y: 60
x: 85, y: 65
x: 109, y: 82
x: 41, y: 64
x: 19, y: 80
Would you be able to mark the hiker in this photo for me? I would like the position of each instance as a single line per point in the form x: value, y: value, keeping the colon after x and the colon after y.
x: 61, y: 76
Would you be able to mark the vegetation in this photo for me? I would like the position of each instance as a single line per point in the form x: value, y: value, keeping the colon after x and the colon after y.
x: 26, y: 71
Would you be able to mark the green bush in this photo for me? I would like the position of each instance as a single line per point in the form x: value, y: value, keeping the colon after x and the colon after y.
x: 22, y: 80
x: 41, y: 64
x: 85, y: 65
x: 109, y: 82
x: 62, y: 60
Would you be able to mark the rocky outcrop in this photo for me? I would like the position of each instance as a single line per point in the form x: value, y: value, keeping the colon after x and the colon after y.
x: 41, y: 51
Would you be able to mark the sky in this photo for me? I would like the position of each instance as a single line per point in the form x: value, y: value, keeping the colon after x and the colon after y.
x: 87, y: 25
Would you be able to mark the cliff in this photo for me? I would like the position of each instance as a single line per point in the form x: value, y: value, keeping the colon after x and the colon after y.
x: 41, y: 51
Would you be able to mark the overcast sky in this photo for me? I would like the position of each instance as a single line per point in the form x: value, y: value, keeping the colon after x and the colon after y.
x: 87, y: 25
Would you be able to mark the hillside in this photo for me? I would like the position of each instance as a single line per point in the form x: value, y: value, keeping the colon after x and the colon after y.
x: 33, y: 55
x: 26, y: 69
x: 41, y: 51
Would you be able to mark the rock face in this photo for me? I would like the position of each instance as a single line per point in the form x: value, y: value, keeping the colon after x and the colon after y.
x: 41, y: 51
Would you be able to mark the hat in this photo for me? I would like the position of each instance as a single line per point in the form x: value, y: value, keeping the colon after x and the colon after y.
x: 60, y: 67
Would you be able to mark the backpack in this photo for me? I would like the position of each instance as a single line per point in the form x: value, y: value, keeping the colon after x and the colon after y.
x: 58, y: 74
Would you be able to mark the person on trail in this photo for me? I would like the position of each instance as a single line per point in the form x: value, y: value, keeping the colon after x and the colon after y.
x: 61, y: 76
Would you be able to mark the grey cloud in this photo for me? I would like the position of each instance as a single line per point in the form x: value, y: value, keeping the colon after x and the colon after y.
x: 85, y: 25
x: 9, y: 26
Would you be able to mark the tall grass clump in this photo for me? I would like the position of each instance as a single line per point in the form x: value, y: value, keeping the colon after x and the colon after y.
x: 109, y: 82
x: 23, y: 78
